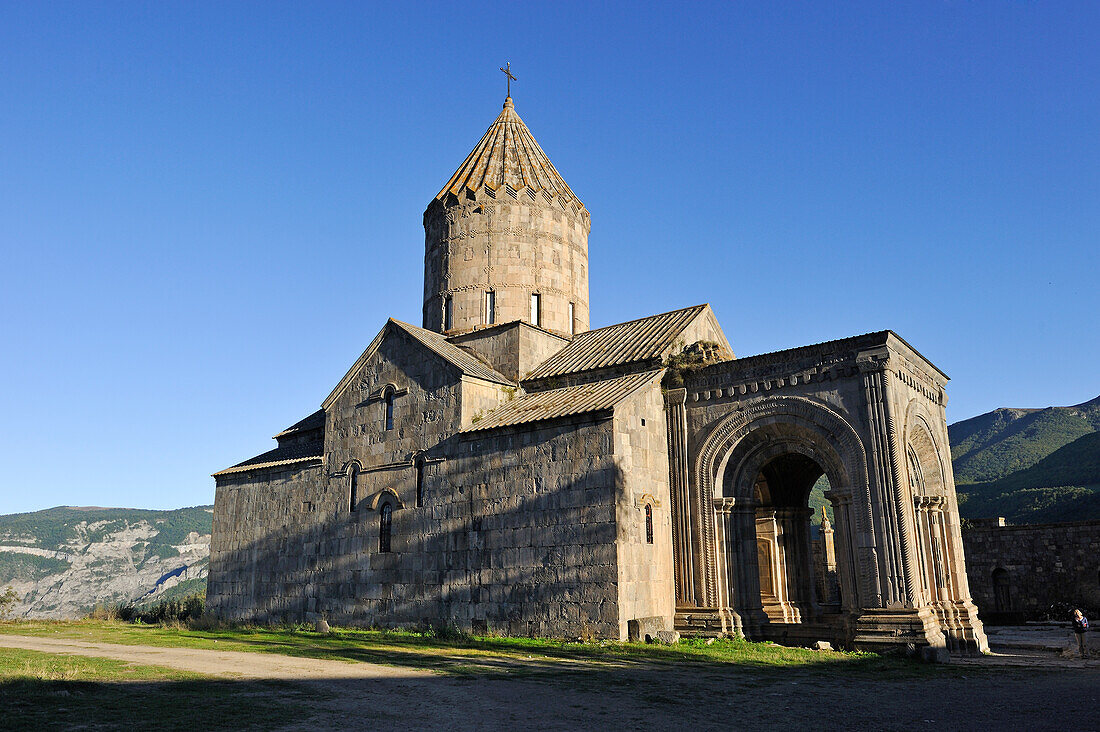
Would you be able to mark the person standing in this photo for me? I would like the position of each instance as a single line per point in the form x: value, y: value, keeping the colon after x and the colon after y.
x: 1080, y: 625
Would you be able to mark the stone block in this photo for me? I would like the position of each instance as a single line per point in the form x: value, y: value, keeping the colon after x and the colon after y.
x: 646, y: 629
x: 935, y: 654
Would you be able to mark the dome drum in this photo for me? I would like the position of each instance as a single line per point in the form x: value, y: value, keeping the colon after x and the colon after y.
x: 513, y: 249
x: 506, y: 239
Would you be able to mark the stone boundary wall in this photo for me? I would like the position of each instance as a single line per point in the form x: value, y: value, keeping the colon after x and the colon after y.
x: 1037, y: 566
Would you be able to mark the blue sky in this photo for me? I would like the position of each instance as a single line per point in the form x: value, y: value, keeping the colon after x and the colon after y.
x: 207, y: 210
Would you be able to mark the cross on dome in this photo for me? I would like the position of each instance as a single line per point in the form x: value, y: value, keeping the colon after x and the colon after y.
x: 507, y: 69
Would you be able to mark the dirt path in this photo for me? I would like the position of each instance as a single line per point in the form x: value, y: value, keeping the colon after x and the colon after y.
x: 368, y: 696
x: 231, y: 664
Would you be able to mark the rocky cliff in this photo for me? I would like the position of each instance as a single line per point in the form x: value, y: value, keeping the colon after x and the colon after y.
x: 63, y: 561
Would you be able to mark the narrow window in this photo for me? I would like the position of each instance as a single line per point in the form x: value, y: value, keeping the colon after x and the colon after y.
x: 389, y: 410
x: 648, y: 524
x: 419, y: 483
x: 1002, y: 590
x: 385, y: 527
x: 354, y: 487
x: 536, y: 309
x: 448, y: 313
x: 490, y: 307
x: 572, y: 319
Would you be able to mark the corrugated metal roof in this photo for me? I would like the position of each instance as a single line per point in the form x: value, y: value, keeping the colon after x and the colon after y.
x: 553, y: 403
x: 465, y: 361
x: 507, y: 154
x: 636, y: 340
x: 283, y: 455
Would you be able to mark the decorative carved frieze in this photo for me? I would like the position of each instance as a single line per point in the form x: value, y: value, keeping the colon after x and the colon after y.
x: 921, y: 384
x: 929, y: 502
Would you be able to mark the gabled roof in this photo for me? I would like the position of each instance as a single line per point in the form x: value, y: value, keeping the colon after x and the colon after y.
x: 508, y: 155
x: 596, y: 396
x: 469, y: 364
x: 645, y: 339
x: 314, y: 421
x: 283, y: 455
x: 466, y: 363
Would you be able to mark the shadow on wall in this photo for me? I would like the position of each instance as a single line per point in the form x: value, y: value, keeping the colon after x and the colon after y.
x: 487, y: 557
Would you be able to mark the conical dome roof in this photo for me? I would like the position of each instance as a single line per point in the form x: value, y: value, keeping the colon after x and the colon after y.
x: 508, y: 155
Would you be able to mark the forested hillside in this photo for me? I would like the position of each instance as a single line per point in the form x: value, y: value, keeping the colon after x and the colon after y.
x: 1029, y: 465
x: 63, y: 561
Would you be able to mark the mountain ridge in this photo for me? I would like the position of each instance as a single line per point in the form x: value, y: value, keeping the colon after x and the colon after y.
x: 1029, y: 465
x: 64, y: 560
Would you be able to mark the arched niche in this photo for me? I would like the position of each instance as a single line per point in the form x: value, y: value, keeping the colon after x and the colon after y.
x: 796, y: 439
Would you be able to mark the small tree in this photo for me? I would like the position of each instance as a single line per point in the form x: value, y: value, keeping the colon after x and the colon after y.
x: 7, y: 602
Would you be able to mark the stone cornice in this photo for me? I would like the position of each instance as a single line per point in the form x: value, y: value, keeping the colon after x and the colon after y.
x: 730, y: 386
x: 846, y: 358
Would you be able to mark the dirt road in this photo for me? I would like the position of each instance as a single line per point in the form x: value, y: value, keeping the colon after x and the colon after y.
x: 367, y: 696
x: 229, y: 664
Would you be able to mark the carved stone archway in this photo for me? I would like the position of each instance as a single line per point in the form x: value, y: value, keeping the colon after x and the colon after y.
x: 728, y: 460
x: 941, y: 570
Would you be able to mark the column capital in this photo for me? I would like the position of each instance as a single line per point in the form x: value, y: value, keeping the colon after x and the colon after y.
x: 873, y: 360
x: 934, y: 503
x: 840, y: 497
x: 676, y: 397
x: 726, y: 504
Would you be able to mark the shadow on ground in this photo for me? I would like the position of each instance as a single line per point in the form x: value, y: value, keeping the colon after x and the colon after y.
x: 639, y: 695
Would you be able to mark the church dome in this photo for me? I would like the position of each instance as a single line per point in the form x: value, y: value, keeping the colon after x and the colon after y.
x: 506, y: 239
x: 508, y: 155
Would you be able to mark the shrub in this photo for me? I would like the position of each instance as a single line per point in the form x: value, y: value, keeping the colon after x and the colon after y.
x: 7, y: 602
x: 182, y: 610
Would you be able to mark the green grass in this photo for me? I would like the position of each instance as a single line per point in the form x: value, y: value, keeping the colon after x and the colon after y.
x: 49, y: 691
x: 464, y: 656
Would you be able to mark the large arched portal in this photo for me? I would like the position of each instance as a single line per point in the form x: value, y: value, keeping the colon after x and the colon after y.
x: 779, y: 576
x: 792, y: 554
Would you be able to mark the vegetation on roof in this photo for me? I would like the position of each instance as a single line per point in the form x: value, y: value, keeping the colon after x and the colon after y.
x: 697, y: 356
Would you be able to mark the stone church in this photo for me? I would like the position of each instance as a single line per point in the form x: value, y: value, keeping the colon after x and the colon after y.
x: 505, y: 469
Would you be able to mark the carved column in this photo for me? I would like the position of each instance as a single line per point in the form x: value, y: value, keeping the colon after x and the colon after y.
x: 801, y: 519
x: 738, y: 520
x: 888, y: 508
x: 731, y: 582
x: 971, y: 635
x: 846, y: 565
x: 830, y: 588
x: 679, y: 483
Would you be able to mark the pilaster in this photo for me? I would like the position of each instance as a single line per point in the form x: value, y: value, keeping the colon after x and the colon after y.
x: 679, y: 482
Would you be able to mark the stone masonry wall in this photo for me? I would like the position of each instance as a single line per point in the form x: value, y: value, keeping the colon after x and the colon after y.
x: 646, y: 575
x: 1044, y: 564
x: 259, y: 521
x: 540, y: 507
x: 514, y: 349
x: 515, y: 532
x: 513, y: 247
x: 515, y: 535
